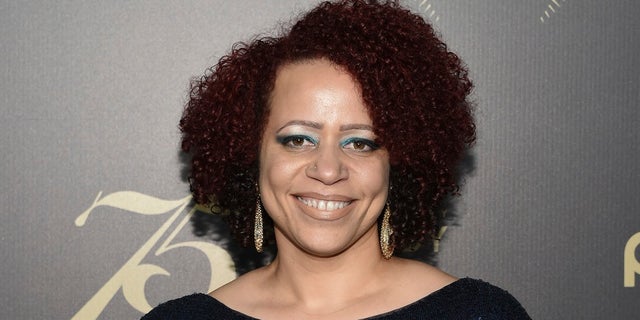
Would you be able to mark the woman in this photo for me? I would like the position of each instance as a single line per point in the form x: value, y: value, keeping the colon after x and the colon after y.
x: 338, y: 141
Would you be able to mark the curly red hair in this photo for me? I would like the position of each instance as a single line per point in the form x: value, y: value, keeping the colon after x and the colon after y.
x: 416, y: 91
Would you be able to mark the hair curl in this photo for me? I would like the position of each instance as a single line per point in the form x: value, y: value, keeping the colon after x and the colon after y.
x: 416, y: 91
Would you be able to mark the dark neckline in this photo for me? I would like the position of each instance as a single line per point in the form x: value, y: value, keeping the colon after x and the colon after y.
x: 452, y: 286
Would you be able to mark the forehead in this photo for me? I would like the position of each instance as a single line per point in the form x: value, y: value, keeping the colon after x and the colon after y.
x: 317, y: 88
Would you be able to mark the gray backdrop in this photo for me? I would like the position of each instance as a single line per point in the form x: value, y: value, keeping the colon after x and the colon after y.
x: 95, y: 205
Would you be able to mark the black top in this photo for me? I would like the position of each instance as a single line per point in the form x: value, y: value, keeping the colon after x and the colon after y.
x: 463, y: 299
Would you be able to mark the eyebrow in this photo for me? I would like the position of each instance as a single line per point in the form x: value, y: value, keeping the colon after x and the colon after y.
x: 356, y: 126
x: 311, y: 124
x: 317, y: 125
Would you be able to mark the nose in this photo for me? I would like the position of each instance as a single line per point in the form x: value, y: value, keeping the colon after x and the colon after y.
x: 327, y: 166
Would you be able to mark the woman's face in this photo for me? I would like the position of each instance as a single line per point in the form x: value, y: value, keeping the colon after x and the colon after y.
x: 323, y: 179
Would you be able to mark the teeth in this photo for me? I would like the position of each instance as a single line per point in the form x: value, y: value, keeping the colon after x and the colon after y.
x: 324, y: 205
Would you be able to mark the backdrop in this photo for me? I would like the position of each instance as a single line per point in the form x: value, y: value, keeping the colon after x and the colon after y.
x: 96, y: 212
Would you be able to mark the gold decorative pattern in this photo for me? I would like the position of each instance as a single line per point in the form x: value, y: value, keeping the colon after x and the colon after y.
x: 436, y: 241
x: 631, y: 263
x: 552, y: 7
x: 426, y: 7
x: 133, y: 275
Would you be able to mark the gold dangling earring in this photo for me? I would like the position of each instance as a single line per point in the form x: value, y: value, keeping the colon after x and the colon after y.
x: 258, y: 227
x: 385, y: 234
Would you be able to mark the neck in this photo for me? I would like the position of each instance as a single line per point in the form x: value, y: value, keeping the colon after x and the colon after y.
x: 319, y: 282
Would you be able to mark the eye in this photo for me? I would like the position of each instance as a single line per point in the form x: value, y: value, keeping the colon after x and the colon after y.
x: 360, y: 145
x: 296, y: 141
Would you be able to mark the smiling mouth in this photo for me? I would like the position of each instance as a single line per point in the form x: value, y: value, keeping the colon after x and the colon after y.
x: 325, y: 205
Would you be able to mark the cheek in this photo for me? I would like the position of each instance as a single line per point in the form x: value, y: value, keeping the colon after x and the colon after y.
x: 374, y: 177
x: 376, y: 181
x: 276, y: 171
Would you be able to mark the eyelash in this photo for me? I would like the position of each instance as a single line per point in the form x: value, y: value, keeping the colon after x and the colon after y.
x: 371, y: 145
x: 288, y: 141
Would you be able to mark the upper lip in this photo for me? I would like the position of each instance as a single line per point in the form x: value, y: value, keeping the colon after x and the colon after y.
x: 326, y: 197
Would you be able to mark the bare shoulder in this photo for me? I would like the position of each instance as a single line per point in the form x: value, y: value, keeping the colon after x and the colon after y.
x: 241, y: 291
x: 419, y: 278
